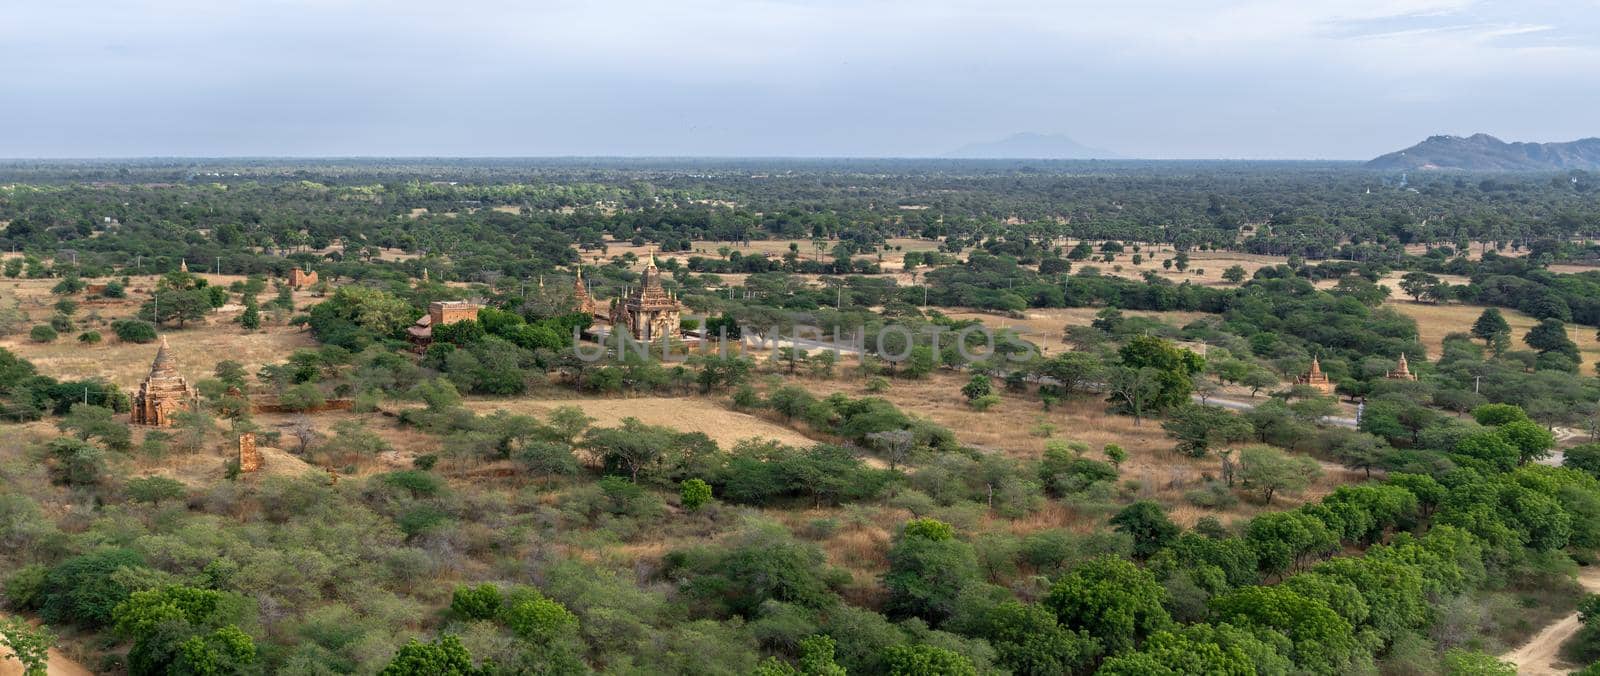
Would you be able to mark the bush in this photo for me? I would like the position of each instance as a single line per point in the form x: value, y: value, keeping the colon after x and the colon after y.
x: 134, y: 331
x: 695, y: 493
x: 42, y: 333
x: 89, y: 337
x: 1213, y: 495
x: 476, y: 603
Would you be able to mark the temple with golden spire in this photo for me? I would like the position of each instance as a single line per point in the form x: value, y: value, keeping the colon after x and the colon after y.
x: 1316, y: 379
x: 163, y: 393
x: 1402, y: 370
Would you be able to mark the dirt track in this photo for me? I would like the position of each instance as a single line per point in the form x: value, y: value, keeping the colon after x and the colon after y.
x: 60, y: 665
x: 1538, y: 656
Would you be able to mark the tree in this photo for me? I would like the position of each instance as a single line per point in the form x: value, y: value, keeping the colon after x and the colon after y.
x: 895, y: 445
x: 28, y: 645
x: 694, y: 493
x: 1134, y: 388
x: 177, y: 306
x: 924, y: 660
x: 1147, y: 523
x: 1234, y: 274
x: 97, y: 422
x: 1532, y: 441
x: 134, y: 331
x: 978, y: 386
x: 154, y: 489
x: 445, y: 656
x: 1323, y: 641
x: 928, y: 569
x: 250, y: 319
x: 1550, y: 336
x: 1492, y: 328
x: 1113, y: 600
x: 75, y: 462
x: 1174, y: 368
x: 1116, y: 455
x: 1270, y: 470
x: 42, y: 333
x: 1421, y: 285
x: 1198, y: 428
x: 1072, y: 371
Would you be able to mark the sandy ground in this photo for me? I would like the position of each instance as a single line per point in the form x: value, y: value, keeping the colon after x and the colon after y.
x: 60, y: 665
x: 686, y: 414
x: 1538, y: 656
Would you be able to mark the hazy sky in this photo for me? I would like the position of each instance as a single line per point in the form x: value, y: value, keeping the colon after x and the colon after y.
x: 1144, y: 78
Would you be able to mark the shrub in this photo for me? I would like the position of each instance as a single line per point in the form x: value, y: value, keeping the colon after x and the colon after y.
x: 134, y: 331
x: 695, y: 493
x: 42, y: 333
x: 475, y: 603
x: 89, y: 337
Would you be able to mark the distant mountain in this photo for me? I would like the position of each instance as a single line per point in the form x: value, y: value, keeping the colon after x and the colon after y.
x: 1482, y: 152
x: 1031, y: 146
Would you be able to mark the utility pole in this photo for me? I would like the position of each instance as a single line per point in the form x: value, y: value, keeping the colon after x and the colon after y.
x: 219, y: 265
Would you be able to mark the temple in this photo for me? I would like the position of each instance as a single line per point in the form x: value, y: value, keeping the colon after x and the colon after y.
x: 1316, y: 379
x: 648, y: 312
x: 163, y: 393
x: 1402, y: 370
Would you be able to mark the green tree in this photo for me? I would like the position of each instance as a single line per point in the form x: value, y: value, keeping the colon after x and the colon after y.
x: 445, y: 656
x: 1113, y: 600
x: 694, y: 493
x: 978, y: 386
x: 1147, y: 523
x: 1492, y: 329
x: 1198, y: 428
x: 1270, y: 471
x: 88, y: 422
x: 1549, y: 336
x: 928, y: 568
x: 28, y: 645
x: 1175, y: 368
x: 1323, y: 641
x: 250, y: 319
x: 155, y: 489
x: 1234, y: 274
x: 926, y: 660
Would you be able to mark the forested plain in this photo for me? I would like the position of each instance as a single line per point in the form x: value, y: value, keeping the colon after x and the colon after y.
x: 438, y: 528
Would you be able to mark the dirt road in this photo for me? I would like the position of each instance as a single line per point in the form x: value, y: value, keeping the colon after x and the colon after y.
x: 1538, y: 656
x: 60, y: 665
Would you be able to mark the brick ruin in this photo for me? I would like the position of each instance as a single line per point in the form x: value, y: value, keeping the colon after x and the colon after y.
x: 163, y: 393
x: 249, y: 457
x: 301, y: 279
x: 440, y: 313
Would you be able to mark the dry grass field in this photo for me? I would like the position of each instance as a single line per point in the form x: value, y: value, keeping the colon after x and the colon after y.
x: 197, y: 347
x: 1011, y: 426
x: 688, y: 414
x: 1044, y: 326
x: 1434, y: 322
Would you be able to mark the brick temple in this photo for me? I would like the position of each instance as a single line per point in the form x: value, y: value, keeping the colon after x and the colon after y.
x: 163, y: 393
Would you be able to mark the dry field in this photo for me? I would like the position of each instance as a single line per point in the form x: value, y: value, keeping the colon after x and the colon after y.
x: 1044, y: 326
x: 1435, y: 321
x: 687, y: 414
x: 1205, y: 267
x: 198, y: 347
x: 1008, y: 428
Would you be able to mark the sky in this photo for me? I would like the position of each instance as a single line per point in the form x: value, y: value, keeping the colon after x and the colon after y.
x: 1302, y: 79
